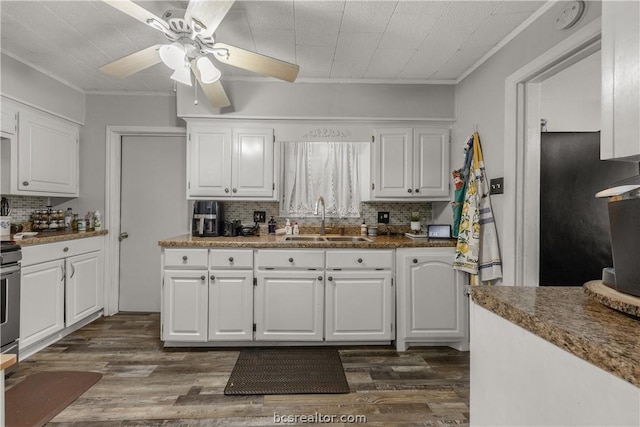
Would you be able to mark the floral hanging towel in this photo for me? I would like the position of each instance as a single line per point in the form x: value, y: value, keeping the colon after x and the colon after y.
x: 468, y: 245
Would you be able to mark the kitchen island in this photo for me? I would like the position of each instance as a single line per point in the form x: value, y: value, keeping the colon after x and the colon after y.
x: 552, y: 356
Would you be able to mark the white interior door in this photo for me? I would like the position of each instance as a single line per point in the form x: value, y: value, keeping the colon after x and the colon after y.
x: 153, y: 206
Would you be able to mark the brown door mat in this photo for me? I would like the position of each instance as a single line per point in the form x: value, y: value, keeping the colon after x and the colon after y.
x: 287, y: 371
x: 41, y: 396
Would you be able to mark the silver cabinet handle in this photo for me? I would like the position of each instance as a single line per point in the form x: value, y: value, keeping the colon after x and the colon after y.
x: 320, y: 278
x: 185, y: 258
x: 417, y: 190
x: 25, y: 183
x: 203, y: 277
x: 73, y: 271
x: 235, y: 190
x: 123, y: 236
x: 290, y: 259
x: 230, y: 259
x: 212, y: 277
x: 415, y: 261
x: 66, y: 249
x: 226, y: 190
x: 359, y: 260
x: 330, y: 278
x: 410, y: 190
x: 63, y: 272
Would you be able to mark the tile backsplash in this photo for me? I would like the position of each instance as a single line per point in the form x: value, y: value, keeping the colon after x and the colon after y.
x: 22, y: 206
x: 399, y: 213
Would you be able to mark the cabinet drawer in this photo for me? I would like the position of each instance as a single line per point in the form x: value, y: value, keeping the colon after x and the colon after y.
x: 369, y: 259
x: 301, y: 259
x: 185, y: 258
x: 221, y: 258
x: 51, y: 251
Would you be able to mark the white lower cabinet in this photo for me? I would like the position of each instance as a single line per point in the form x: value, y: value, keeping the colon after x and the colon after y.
x: 230, y: 295
x: 432, y: 305
x: 289, y: 305
x: 84, y: 290
x: 185, y: 305
x: 41, y: 301
x: 359, y: 297
x: 62, y: 284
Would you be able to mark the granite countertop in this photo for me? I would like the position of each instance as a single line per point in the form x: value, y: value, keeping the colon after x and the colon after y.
x: 57, y: 236
x: 570, y: 319
x: 276, y: 241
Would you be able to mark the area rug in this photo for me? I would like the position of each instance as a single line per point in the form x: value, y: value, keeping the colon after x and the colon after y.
x: 43, y: 395
x: 287, y: 371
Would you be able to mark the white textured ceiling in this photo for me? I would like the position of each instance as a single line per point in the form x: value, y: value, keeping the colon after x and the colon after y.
x: 391, y: 41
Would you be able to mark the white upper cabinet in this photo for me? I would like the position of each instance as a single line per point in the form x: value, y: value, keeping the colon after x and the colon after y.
x: 411, y: 164
x: 9, y: 123
x: 620, y: 136
x: 223, y: 162
x: 43, y: 159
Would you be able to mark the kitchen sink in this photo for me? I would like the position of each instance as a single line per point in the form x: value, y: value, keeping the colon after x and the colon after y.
x: 299, y: 238
x: 347, y: 239
x: 314, y: 238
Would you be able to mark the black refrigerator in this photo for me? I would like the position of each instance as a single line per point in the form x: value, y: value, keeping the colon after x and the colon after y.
x: 575, y: 241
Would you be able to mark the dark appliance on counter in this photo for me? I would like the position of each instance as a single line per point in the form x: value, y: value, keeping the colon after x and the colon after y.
x: 624, y: 211
x: 10, y: 256
x: 208, y: 219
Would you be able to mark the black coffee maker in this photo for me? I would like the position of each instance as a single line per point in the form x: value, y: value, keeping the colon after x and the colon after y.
x: 208, y: 219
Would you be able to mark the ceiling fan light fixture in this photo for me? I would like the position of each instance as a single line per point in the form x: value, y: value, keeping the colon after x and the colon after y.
x: 173, y: 55
x: 208, y: 72
x: 182, y: 74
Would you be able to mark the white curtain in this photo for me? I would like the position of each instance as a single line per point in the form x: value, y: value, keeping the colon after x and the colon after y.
x: 327, y: 169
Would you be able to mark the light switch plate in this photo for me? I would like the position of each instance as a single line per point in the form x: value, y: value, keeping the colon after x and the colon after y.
x: 383, y: 217
x: 259, y: 216
x: 497, y: 185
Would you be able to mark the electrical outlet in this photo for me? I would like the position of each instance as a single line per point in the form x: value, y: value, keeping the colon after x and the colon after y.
x: 259, y: 216
x: 497, y: 185
x: 383, y: 217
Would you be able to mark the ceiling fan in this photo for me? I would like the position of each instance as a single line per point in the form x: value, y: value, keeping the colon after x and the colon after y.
x: 192, y: 46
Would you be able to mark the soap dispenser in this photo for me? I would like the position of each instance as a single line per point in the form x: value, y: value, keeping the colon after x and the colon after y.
x: 287, y: 227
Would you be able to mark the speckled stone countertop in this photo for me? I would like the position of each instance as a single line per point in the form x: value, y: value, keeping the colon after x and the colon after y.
x: 57, y: 236
x: 568, y: 318
x: 276, y: 241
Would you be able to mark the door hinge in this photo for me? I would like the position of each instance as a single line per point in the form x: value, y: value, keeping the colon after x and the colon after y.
x: 189, y: 137
x: 392, y: 283
x: 274, y: 186
x: 373, y: 186
x: 373, y: 139
x: 255, y: 281
x: 254, y: 327
x: 274, y: 137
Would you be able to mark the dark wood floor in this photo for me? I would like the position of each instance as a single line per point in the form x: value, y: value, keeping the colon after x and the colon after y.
x: 144, y: 384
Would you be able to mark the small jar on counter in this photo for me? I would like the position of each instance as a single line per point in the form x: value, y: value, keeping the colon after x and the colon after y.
x: 89, y: 221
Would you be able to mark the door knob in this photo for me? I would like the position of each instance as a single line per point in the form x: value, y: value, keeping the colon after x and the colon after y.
x: 123, y: 236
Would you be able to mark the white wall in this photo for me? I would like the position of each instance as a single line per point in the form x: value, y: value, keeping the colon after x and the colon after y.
x: 114, y: 110
x: 570, y: 100
x: 481, y: 100
x: 31, y: 87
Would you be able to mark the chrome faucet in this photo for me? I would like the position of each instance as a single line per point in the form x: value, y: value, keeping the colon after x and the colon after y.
x: 323, y: 231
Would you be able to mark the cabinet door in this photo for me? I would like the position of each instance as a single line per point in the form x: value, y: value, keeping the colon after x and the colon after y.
x: 359, y: 306
x: 230, y: 305
x: 620, y: 137
x: 47, y: 155
x: 392, y: 165
x: 209, y: 161
x: 252, y: 165
x: 289, y: 305
x: 84, y: 289
x: 9, y: 119
x: 433, y: 303
x: 41, y: 301
x: 185, y: 299
x: 431, y: 163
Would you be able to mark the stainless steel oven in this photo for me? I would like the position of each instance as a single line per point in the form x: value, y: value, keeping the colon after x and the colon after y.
x: 10, y: 256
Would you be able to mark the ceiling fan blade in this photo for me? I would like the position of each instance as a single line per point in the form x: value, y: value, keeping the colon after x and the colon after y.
x: 135, y: 11
x: 133, y: 63
x: 209, y: 13
x: 258, y: 63
x: 214, y: 91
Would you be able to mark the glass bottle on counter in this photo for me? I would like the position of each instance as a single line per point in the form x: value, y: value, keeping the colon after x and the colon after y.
x: 89, y: 221
x: 68, y: 218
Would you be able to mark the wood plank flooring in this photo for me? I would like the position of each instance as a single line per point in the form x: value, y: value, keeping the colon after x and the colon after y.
x: 146, y: 385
